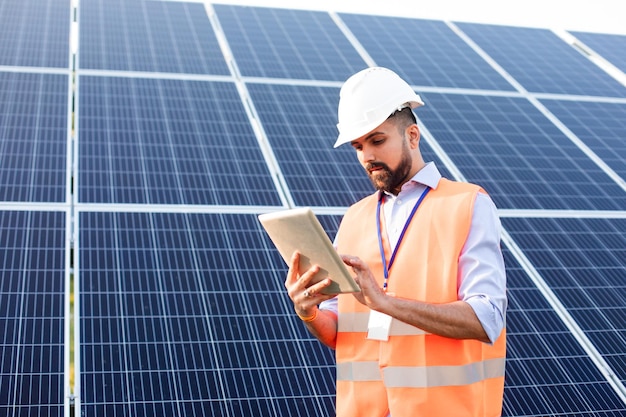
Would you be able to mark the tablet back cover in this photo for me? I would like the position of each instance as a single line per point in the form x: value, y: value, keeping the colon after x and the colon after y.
x: 299, y: 229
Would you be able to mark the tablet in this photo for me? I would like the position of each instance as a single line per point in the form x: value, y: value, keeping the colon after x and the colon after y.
x: 298, y: 229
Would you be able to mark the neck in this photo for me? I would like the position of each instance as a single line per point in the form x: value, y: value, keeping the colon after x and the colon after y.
x: 417, y: 167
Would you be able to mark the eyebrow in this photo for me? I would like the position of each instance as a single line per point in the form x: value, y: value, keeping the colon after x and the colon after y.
x: 370, y: 137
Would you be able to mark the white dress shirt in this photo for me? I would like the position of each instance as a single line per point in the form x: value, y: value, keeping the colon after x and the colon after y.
x: 482, y: 278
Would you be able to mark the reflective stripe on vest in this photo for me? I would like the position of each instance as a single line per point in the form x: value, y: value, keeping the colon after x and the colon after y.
x: 422, y: 376
x: 358, y: 371
x: 357, y: 322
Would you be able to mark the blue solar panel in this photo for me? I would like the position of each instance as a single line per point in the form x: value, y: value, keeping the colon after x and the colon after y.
x: 601, y: 126
x: 33, y: 137
x: 284, y: 43
x: 423, y: 52
x: 541, y: 62
x: 186, y: 314
x: 584, y: 263
x: 160, y: 36
x: 300, y: 123
x: 548, y: 373
x: 151, y: 141
x: 610, y: 47
x: 35, y: 33
x: 32, y: 277
x: 506, y: 145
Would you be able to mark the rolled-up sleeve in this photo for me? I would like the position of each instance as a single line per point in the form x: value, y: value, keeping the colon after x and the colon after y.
x: 482, y: 276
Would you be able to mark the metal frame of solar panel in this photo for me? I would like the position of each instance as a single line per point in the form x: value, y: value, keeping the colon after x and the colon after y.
x: 192, y: 118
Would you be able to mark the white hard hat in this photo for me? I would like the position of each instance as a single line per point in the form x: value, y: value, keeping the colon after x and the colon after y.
x: 368, y: 98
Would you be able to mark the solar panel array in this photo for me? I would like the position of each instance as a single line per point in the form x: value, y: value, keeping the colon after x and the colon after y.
x: 134, y: 276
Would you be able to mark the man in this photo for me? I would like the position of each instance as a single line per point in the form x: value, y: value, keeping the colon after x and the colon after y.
x: 425, y: 336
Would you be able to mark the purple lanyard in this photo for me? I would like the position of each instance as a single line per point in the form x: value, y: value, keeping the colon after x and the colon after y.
x: 387, y: 267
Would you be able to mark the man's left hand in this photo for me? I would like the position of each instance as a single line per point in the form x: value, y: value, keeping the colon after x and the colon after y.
x: 371, y: 293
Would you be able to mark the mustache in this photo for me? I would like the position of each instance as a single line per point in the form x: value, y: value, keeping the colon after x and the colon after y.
x: 372, y: 165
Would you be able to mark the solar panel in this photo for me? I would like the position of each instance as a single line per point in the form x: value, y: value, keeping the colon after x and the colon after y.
x: 156, y: 141
x: 33, y: 137
x: 281, y: 43
x: 424, y: 52
x: 159, y: 36
x: 35, y: 33
x: 506, y: 145
x: 541, y: 62
x: 32, y: 314
x: 187, y: 314
x: 609, y: 46
x: 584, y: 263
x: 548, y: 373
x: 601, y: 126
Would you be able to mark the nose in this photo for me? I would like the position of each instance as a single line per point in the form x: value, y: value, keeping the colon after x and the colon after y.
x: 367, y: 154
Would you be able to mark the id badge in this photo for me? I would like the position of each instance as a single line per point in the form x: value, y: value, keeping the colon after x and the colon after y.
x: 378, y: 326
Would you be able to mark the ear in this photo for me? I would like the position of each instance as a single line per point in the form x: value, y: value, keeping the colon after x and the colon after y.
x: 413, y: 135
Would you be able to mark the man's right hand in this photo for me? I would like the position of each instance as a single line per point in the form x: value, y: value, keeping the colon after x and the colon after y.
x: 304, y: 295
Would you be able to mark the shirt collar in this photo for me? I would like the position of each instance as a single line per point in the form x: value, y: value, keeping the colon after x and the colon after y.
x: 429, y: 176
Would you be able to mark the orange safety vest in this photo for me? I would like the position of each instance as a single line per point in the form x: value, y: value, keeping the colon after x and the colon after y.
x: 415, y: 373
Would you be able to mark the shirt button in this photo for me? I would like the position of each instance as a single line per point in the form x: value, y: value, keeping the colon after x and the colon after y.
x: 398, y: 202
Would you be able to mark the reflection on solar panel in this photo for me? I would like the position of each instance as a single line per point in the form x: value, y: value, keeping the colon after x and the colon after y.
x: 33, y: 137
x: 542, y: 62
x: 181, y: 307
x: 32, y: 276
x: 35, y: 33
x: 432, y: 56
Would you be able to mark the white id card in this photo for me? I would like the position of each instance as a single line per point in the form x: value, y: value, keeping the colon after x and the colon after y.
x: 378, y: 326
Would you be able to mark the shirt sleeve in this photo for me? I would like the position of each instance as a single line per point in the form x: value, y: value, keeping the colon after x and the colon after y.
x: 482, y: 277
x: 330, y: 305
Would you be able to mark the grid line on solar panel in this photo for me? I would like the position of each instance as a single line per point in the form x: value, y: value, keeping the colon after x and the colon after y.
x: 542, y: 62
x: 32, y: 276
x: 35, y: 33
x: 33, y: 137
x: 171, y: 301
x: 280, y: 43
x: 523, y: 161
x: 428, y: 53
x: 153, y: 141
x: 156, y: 36
x: 608, y: 46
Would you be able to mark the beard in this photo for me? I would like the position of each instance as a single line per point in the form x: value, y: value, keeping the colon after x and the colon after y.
x: 387, y: 179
